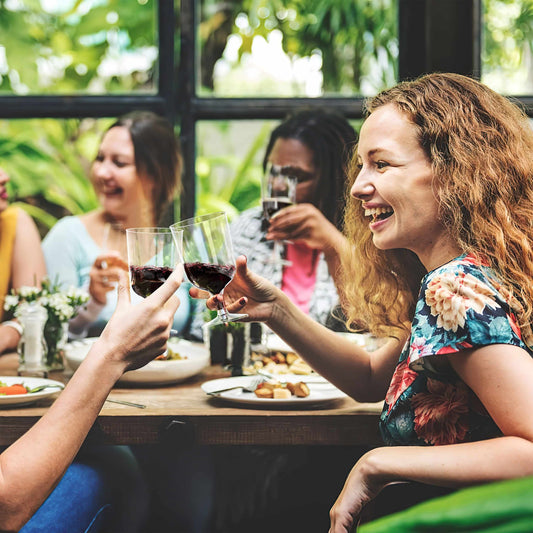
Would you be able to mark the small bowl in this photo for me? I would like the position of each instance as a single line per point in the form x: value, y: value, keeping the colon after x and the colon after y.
x: 158, y: 372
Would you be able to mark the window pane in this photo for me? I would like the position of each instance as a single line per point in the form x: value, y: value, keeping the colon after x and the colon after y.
x: 229, y: 164
x: 292, y: 48
x: 507, y: 60
x: 67, y: 46
x: 48, y: 161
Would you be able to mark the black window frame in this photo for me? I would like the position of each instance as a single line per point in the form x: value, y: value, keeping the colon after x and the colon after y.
x: 434, y: 35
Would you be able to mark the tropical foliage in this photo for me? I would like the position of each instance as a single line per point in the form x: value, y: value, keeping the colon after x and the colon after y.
x: 77, y: 46
x: 355, y: 42
x: 110, y: 46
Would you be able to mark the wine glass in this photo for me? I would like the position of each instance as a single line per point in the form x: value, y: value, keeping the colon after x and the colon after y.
x: 278, y: 191
x: 152, y: 256
x: 207, y: 256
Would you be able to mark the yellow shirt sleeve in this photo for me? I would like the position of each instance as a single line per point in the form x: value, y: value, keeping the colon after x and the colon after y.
x: 8, y: 229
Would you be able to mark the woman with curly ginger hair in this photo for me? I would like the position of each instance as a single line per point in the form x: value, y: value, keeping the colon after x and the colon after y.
x: 479, y: 146
x: 440, y: 221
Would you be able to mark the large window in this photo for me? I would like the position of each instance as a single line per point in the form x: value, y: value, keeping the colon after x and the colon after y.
x: 225, y: 73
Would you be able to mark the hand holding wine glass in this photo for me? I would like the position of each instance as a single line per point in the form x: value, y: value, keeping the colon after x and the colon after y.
x: 152, y: 257
x: 278, y: 191
x: 208, y: 256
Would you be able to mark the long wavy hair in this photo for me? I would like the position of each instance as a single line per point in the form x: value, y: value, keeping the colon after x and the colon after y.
x: 480, y: 146
x: 157, y: 155
x: 331, y: 139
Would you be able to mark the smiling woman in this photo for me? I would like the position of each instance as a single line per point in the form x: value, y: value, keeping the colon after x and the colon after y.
x: 135, y: 174
x: 395, y: 185
x: 446, y: 276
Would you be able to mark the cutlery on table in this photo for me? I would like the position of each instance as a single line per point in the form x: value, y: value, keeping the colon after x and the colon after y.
x: 251, y: 387
x: 130, y: 404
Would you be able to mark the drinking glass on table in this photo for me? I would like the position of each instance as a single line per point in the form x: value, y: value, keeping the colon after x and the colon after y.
x: 152, y: 256
x: 278, y: 190
x: 207, y: 255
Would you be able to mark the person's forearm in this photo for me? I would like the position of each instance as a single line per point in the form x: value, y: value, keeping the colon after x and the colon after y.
x: 32, y: 466
x: 456, y: 465
x: 363, y: 376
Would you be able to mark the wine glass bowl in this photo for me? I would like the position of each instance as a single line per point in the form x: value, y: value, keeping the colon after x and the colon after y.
x: 152, y: 257
x: 207, y: 255
x: 278, y: 190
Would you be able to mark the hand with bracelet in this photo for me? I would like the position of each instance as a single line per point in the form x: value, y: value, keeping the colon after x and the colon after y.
x: 10, y: 334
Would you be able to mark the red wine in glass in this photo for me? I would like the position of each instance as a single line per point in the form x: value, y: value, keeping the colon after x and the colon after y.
x: 211, y: 278
x: 207, y: 256
x: 147, y: 279
x: 272, y: 205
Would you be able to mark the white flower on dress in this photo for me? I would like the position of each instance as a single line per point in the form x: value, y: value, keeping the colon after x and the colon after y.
x: 449, y: 296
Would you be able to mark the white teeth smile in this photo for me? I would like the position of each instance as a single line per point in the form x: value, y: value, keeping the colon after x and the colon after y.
x: 376, y: 211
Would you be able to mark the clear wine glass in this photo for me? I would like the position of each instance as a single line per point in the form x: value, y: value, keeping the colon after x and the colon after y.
x: 207, y: 256
x: 278, y: 191
x: 152, y: 256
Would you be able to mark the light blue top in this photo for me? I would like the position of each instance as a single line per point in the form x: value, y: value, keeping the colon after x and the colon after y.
x: 70, y: 252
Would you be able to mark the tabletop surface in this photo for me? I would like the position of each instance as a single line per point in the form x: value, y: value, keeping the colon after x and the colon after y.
x: 183, y: 411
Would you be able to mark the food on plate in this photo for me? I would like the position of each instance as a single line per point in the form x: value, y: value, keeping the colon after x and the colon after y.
x: 299, y: 389
x: 277, y: 390
x: 264, y: 393
x: 16, y: 388
x: 278, y: 363
x: 281, y: 394
x: 171, y: 354
x: 20, y: 388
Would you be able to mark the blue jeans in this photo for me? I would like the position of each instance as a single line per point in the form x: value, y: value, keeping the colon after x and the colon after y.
x: 102, y: 491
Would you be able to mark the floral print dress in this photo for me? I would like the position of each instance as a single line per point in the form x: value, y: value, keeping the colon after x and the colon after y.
x: 461, y: 305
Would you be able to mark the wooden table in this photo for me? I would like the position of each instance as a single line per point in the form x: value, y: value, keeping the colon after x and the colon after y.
x: 184, y: 412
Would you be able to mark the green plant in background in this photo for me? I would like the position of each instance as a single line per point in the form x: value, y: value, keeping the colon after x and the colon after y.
x: 77, y: 46
x: 229, y: 182
x: 357, y: 40
x: 508, y: 44
x: 48, y: 162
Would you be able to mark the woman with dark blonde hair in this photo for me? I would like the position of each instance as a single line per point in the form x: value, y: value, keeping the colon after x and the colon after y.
x: 440, y: 221
x: 136, y: 175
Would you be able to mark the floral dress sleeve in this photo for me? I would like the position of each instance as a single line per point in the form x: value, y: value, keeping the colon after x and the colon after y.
x: 461, y: 305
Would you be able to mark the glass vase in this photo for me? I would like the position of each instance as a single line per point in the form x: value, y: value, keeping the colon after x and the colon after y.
x: 56, y: 336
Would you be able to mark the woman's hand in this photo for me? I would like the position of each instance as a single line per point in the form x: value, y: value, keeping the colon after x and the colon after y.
x: 247, y: 292
x: 138, y: 333
x: 104, y: 274
x: 362, y: 485
x: 304, y: 223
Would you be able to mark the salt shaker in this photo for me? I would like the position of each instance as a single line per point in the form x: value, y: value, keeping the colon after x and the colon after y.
x: 32, y: 345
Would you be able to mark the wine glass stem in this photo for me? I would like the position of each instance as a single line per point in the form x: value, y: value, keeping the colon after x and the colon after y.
x: 222, y: 313
x: 276, y: 252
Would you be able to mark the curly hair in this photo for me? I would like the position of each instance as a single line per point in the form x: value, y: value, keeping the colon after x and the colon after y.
x: 331, y: 139
x: 480, y: 146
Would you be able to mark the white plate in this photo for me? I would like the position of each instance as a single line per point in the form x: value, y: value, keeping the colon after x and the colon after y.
x: 155, y: 372
x: 320, y: 393
x: 20, y: 399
